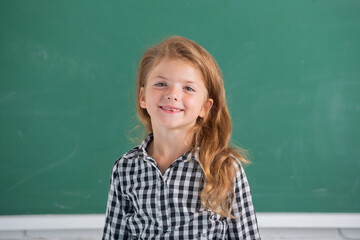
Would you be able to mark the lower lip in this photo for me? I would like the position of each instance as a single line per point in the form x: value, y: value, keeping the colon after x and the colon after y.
x: 171, y: 112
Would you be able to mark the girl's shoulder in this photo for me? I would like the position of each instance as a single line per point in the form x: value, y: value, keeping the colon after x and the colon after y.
x: 133, y: 153
x: 240, y: 175
x: 237, y: 163
x: 127, y: 158
x: 130, y: 158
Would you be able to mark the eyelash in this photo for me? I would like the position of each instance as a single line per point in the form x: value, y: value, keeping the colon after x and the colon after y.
x: 162, y: 84
x: 189, y: 89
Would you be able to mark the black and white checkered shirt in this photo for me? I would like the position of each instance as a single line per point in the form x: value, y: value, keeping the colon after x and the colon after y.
x: 144, y: 204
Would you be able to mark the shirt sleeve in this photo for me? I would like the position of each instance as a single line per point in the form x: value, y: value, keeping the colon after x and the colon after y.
x: 117, y: 207
x: 244, y: 226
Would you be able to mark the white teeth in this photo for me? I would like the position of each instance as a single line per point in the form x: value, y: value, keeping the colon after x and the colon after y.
x: 171, y: 109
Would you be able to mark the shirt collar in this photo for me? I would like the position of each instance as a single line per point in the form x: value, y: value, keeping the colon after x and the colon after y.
x: 145, y: 143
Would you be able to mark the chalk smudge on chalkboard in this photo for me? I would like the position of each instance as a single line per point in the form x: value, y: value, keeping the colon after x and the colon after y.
x: 45, y: 169
x: 7, y: 96
x: 61, y: 206
x: 38, y: 51
x: 320, y: 191
x: 21, y: 136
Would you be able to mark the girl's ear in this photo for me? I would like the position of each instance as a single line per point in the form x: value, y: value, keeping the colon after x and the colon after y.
x: 206, y: 107
x: 142, y: 98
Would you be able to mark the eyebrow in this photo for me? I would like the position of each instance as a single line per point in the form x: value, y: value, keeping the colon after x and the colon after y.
x: 159, y: 76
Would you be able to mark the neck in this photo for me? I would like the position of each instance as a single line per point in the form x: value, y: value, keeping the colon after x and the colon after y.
x: 168, y: 146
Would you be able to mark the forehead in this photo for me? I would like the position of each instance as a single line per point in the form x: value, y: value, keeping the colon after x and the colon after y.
x: 177, y: 69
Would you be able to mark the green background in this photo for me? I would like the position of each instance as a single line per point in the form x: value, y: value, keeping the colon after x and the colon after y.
x: 67, y: 71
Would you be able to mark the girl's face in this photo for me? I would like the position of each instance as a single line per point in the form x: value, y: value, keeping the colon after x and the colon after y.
x: 175, y: 95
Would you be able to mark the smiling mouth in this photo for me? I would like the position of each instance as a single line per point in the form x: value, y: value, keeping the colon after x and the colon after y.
x: 171, y: 109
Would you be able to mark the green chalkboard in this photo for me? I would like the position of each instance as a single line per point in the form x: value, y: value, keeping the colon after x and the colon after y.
x: 67, y: 71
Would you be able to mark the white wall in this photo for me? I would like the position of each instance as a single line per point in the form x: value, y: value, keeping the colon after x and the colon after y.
x: 302, y: 226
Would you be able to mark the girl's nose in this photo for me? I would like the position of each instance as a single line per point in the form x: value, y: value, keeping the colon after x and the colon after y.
x: 173, y: 94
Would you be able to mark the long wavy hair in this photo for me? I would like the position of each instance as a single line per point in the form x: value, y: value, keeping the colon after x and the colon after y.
x: 211, y: 133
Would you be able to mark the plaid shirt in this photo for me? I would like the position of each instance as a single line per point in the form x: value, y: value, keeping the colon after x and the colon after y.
x: 145, y: 204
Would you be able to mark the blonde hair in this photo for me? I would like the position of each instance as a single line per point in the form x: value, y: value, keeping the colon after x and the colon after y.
x: 211, y: 133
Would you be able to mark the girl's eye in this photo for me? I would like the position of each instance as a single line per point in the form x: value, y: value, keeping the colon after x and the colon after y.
x: 160, y: 84
x: 190, y: 89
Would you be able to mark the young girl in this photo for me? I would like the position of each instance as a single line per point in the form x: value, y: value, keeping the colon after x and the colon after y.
x: 183, y: 181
